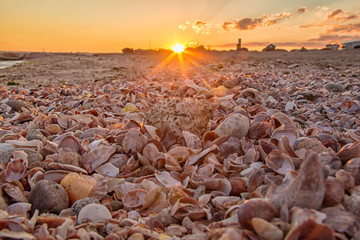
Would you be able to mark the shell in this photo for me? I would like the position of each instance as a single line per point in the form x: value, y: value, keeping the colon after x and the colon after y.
x: 279, y: 162
x: 93, y: 213
x: 16, y: 168
x: 349, y: 151
x: 353, y: 167
x: 68, y: 140
x: 236, y: 125
x: 255, y: 208
x: 96, y: 157
x: 291, y: 133
x: 307, y: 190
x: 77, y: 186
x: 266, y: 230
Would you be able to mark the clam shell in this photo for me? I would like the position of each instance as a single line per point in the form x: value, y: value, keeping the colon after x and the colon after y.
x: 93, y: 213
x: 77, y: 186
x: 279, y: 162
x: 266, y: 230
x: 96, y: 157
x: 16, y: 168
x: 236, y: 125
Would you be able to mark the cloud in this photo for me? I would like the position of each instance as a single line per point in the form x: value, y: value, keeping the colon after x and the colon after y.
x: 301, y: 10
x: 335, y: 13
x: 201, y: 27
x: 182, y: 27
x: 333, y: 38
x: 248, y: 23
x: 225, y: 26
x: 272, y: 19
x: 347, y: 28
x: 252, y: 23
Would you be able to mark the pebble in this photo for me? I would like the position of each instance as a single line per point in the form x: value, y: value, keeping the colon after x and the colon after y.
x: 48, y: 196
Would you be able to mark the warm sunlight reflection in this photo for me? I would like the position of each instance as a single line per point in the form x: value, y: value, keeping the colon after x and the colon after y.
x: 178, y: 48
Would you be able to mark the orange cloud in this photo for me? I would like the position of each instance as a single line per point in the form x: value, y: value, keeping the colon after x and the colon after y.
x: 347, y: 28
x: 201, y: 27
x: 335, y: 13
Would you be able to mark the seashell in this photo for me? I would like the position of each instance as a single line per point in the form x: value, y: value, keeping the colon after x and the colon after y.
x: 309, y: 229
x: 77, y: 186
x: 346, y: 179
x: 334, y: 192
x: 279, y: 162
x: 151, y: 130
x: 282, y: 119
x: 7, y: 234
x: 349, y: 106
x: 60, y: 166
x: 191, y: 140
x: 134, y: 141
x: 212, y: 183
x: 266, y: 230
x: 47, y: 196
x: 20, y: 209
x: 94, y: 131
x: 256, y: 178
x: 34, y: 134
x: 307, y: 190
x: 93, y: 213
x: 68, y: 140
x: 187, y: 207
x: 265, y: 147
x: 353, y: 167
x: 340, y: 220
x: 208, y: 138
x: 35, y: 177
x: 236, y: 125
x: 96, y: 157
x: 100, y: 189
x: 13, y: 192
x: 193, y: 159
x: 255, y: 208
x: 136, y: 236
x: 252, y: 94
x: 134, y: 198
x: 55, y: 175
x: 167, y: 180
x: 108, y: 169
x: 16, y: 168
x: 33, y: 144
x: 79, y: 204
x: 291, y: 133
x: 349, y: 151
x: 224, y: 203
x: 150, y: 152
x: 53, y: 129
x: 238, y: 186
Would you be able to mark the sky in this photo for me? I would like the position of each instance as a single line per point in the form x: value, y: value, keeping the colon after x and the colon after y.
x: 111, y: 25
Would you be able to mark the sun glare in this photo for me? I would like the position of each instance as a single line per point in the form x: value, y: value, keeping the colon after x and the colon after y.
x: 178, y: 48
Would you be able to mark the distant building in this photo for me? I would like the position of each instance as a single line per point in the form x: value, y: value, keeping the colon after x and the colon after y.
x: 238, y: 46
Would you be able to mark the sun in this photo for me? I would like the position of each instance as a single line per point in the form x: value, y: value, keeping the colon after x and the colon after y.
x: 178, y: 48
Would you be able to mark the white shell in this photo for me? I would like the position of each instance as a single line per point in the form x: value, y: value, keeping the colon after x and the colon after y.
x: 94, y: 213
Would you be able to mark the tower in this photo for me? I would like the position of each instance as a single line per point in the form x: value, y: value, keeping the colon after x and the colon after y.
x: 238, y: 46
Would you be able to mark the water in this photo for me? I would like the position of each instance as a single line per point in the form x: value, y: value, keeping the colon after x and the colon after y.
x: 6, y: 64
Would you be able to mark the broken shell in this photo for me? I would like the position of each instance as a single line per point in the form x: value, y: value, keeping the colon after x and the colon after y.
x: 134, y: 141
x: 20, y: 209
x: 349, y: 106
x: 94, y: 213
x: 108, y: 169
x: 307, y: 190
x: 96, y: 157
x: 16, y: 168
x: 309, y: 229
x: 79, y: 204
x: 349, y: 151
x: 266, y: 230
x: 68, y: 140
x: 279, y: 162
x: 282, y: 119
x: 334, y: 192
x: 134, y: 198
x: 77, y: 186
x: 191, y: 140
x: 353, y: 167
x: 255, y: 208
x: 236, y: 125
x: 291, y: 133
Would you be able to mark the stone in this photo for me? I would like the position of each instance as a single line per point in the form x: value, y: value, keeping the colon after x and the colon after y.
x: 48, y: 196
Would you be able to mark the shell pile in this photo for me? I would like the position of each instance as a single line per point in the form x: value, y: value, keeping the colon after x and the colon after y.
x: 236, y: 150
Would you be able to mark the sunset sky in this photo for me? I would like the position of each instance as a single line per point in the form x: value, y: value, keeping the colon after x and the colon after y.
x: 110, y: 25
